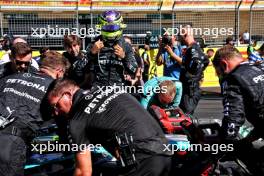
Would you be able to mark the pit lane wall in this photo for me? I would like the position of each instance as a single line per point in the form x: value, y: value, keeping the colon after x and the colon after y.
x: 210, y: 78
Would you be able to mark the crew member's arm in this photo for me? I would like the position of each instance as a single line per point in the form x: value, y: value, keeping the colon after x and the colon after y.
x: 2, y: 70
x: 173, y: 55
x: 77, y: 131
x: 88, y: 80
x: 145, y: 101
x: 89, y: 74
x: 83, y: 164
x: 234, y: 112
x: 94, y: 48
x: 148, y: 93
x: 2, y: 83
x: 137, y: 79
x: 145, y: 57
x: 199, y: 61
x: 159, y: 59
x: 178, y: 96
x: 127, y: 56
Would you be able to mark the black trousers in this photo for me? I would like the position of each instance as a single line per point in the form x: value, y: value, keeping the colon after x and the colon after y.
x: 12, y: 155
x: 189, y: 101
x: 154, y: 166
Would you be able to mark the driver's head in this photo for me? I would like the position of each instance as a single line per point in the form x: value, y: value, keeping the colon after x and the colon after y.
x: 111, y: 25
x: 167, y: 92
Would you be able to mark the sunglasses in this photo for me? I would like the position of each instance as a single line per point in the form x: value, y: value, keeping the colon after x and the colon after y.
x: 26, y: 63
x: 55, y: 106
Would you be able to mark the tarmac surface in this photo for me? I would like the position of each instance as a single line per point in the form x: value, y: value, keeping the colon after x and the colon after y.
x: 210, y: 105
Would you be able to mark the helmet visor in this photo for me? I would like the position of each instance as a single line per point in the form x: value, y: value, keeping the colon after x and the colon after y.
x: 111, y: 28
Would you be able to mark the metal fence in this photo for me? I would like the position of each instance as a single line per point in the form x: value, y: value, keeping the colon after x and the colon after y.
x: 48, y: 29
x: 45, y: 24
x: 256, y: 26
x: 211, y: 27
x: 39, y: 28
